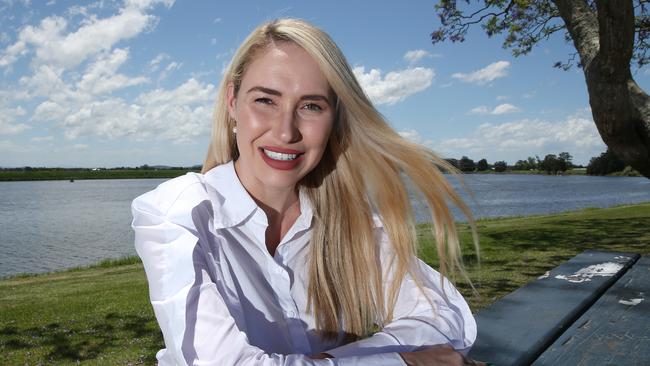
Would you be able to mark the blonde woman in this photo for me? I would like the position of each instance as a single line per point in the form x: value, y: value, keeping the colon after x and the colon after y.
x: 296, y: 245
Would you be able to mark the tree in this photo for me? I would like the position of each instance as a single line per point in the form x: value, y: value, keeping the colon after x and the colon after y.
x: 604, y: 164
x: 466, y: 164
x: 521, y: 165
x: 607, y: 35
x: 529, y: 164
x: 566, y: 161
x: 482, y: 165
x: 551, y: 164
x: 500, y: 166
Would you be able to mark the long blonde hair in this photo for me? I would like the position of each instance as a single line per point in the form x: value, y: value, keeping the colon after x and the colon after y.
x: 358, y: 174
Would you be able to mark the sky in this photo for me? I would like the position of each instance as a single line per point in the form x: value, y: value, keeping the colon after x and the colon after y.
x: 133, y: 82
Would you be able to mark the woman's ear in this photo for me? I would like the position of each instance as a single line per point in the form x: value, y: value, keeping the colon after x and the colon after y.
x: 231, y: 100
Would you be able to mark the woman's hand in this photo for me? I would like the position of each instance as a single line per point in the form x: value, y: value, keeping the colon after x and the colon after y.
x: 442, y: 354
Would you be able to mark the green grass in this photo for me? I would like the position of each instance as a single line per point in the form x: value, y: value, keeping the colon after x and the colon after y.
x: 515, y: 251
x: 77, y: 174
x: 101, y: 315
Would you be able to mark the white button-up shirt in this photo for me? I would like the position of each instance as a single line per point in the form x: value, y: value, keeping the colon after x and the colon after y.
x: 221, y: 299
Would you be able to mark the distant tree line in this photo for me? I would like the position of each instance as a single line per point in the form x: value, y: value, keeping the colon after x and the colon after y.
x: 141, y: 167
x: 604, y: 164
x: 551, y: 164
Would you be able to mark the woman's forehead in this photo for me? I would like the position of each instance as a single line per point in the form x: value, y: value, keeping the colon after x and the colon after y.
x: 287, y: 67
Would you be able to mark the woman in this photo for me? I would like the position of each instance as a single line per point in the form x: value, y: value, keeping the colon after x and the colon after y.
x: 296, y: 245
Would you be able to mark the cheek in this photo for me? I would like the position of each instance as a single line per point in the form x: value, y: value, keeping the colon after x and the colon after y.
x: 250, y: 125
x: 319, y: 134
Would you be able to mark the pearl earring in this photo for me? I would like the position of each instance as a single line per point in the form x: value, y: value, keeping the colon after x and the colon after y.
x: 234, y: 130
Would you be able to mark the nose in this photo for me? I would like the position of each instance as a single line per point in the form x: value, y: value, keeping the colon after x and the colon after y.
x: 286, y: 128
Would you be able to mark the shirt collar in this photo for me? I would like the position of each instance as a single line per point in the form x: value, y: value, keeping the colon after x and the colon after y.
x: 234, y: 205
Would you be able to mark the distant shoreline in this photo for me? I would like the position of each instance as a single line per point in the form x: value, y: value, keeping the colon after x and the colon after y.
x: 84, y: 174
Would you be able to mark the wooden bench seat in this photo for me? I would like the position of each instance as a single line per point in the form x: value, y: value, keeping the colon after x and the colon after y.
x: 521, y: 326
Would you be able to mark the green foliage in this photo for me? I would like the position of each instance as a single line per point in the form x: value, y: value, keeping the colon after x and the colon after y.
x: 553, y: 164
x: 482, y: 165
x: 606, y: 163
x: 466, y: 164
x: 500, y: 166
x: 76, y: 174
x: 524, y: 23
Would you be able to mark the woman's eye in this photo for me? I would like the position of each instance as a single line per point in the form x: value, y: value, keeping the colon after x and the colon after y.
x: 263, y: 101
x: 313, y: 107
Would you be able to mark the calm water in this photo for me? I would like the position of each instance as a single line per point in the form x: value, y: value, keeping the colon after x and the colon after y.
x: 52, y: 225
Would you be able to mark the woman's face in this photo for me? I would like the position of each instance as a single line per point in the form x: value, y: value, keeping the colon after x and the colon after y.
x: 284, y: 111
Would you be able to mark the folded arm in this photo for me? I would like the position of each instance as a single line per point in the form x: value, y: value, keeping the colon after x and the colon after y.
x: 415, y: 325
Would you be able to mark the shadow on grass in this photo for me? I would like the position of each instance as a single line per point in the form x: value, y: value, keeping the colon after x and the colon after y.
x: 578, y: 235
x: 76, y: 341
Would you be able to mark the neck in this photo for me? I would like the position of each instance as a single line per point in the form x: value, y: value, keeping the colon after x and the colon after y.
x: 280, y: 204
x: 276, y: 202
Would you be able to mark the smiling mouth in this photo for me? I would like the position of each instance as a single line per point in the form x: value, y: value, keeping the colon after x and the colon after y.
x: 279, y: 156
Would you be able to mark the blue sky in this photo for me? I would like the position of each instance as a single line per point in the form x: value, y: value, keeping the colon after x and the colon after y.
x: 126, y: 83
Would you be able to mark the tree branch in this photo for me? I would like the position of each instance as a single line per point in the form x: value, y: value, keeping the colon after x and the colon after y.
x: 582, y: 25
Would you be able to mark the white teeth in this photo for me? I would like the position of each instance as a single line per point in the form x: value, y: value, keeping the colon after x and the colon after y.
x: 279, y: 156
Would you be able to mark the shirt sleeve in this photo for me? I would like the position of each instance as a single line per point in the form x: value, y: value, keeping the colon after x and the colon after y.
x: 414, y: 324
x: 197, y: 326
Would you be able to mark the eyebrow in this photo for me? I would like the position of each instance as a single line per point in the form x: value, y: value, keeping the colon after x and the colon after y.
x: 278, y: 93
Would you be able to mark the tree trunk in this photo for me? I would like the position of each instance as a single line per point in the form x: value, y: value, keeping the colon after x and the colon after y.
x: 621, y: 109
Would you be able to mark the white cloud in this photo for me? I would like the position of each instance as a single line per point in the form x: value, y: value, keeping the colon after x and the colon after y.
x: 485, y: 75
x: 155, y: 63
x: 178, y: 115
x: 411, y: 135
x: 42, y: 139
x: 12, y: 148
x: 498, y: 110
x: 416, y: 55
x: 12, y: 53
x: 480, y: 110
x: 146, y: 4
x: 79, y: 147
x: 504, y: 108
x: 395, y: 86
x: 55, y: 47
x: 8, y: 115
x: 517, y: 140
x: 50, y: 111
x: 101, y: 77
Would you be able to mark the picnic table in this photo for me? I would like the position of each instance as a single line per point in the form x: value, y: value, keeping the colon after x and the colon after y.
x: 590, y: 310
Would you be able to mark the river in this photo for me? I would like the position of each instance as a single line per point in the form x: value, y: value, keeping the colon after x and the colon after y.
x: 51, y: 225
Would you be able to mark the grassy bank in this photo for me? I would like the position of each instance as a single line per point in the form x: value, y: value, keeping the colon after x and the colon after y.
x: 76, y: 174
x: 101, y: 315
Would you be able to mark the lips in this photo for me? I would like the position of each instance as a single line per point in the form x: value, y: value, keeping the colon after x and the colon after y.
x: 281, y: 150
x: 281, y: 159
